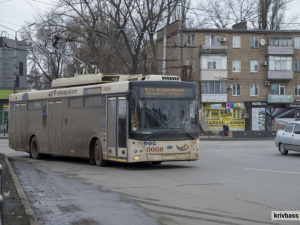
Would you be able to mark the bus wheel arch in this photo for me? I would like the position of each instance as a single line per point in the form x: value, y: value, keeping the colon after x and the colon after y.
x: 95, y: 153
x: 34, y: 148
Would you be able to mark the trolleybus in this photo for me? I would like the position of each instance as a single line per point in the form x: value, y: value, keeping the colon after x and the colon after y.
x: 103, y: 117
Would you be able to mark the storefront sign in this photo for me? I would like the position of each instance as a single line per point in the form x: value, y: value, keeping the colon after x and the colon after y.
x: 214, y: 97
x: 216, y: 106
x: 280, y: 98
x: 292, y: 105
x: 258, y: 103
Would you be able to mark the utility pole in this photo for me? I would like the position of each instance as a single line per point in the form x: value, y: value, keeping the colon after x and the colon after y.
x: 164, y: 51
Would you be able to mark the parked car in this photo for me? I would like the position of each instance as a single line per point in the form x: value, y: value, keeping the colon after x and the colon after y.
x: 288, y: 139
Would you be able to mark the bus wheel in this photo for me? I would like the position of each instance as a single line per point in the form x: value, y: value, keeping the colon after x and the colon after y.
x: 34, y: 149
x: 98, y: 154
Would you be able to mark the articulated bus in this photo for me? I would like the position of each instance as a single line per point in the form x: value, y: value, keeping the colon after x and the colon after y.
x: 106, y: 117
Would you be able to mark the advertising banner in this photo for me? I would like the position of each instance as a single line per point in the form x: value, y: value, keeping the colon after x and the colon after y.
x: 258, y: 119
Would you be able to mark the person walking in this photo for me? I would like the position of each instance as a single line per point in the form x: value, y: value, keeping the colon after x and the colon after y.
x: 225, y: 129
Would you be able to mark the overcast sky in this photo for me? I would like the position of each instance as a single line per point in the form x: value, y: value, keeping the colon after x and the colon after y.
x: 15, y: 13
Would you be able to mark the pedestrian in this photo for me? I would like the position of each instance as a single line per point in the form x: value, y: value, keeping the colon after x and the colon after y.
x: 225, y: 129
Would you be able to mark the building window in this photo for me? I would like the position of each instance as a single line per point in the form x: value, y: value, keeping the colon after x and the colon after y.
x: 212, y: 40
x: 214, y: 62
x: 254, y: 65
x: 21, y: 73
x: 190, y: 40
x: 212, y: 114
x: 191, y: 64
x: 278, y: 89
x: 236, y: 90
x: 254, y: 89
x: 237, y: 114
x: 254, y: 42
x: 280, y: 41
x: 297, y: 66
x: 214, y: 87
x: 297, y: 89
x: 297, y: 42
x: 280, y: 63
x: 236, y: 42
x: 236, y: 65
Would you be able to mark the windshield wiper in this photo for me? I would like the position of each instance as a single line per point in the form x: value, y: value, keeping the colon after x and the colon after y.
x: 147, y: 136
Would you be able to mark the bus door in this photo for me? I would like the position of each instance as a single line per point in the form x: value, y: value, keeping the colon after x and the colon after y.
x: 116, y: 128
x: 20, y: 113
x: 54, y: 126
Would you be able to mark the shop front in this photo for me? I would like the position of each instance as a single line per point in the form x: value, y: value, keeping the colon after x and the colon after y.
x: 270, y: 115
x: 255, y: 116
x: 216, y: 114
x: 279, y: 112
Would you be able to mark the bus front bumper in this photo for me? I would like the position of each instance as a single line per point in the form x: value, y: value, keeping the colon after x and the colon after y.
x: 167, y: 157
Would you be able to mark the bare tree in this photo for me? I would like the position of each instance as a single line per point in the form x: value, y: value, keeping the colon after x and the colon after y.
x: 272, y: 14
x: 262, y: 14
x: 45, y: 61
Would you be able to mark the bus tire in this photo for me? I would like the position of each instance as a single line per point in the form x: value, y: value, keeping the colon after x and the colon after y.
x: 34, y: 148
x: 98, y: 154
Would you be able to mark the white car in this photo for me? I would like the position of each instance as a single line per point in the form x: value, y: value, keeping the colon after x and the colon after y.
x: 289, y: 138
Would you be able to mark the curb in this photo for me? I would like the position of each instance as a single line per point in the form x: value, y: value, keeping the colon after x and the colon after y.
x: 234, y: 139
x: 23, y: 199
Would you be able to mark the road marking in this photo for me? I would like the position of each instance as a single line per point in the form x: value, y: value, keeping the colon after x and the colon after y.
x: 273, y: 171
x: 256, y: 156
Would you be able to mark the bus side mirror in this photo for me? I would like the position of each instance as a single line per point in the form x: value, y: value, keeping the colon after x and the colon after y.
x: 131, y: 100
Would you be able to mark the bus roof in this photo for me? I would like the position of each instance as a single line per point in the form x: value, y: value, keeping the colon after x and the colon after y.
x: 88, y: 84
x: 100, y: 78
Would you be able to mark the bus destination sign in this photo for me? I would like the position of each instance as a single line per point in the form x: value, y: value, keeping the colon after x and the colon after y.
x: 168, y: 92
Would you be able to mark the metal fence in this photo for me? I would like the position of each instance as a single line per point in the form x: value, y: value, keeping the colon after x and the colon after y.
x: 251, y: 134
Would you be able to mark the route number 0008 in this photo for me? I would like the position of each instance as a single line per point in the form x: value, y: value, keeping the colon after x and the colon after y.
x: 155, y: 149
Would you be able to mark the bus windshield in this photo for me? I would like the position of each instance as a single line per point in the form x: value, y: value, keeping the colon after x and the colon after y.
x: 174, y: 117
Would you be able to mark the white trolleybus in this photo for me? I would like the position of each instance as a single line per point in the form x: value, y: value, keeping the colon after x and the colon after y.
x: 104, y: 117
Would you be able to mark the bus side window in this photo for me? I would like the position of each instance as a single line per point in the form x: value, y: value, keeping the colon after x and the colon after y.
x: 76, y: 102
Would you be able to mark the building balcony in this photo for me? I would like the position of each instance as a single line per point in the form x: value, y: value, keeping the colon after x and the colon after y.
x: 213, y: 49
x: 280, y: 75
x: 214, y: 74
x: 280, y: 50
x: 214, y: 98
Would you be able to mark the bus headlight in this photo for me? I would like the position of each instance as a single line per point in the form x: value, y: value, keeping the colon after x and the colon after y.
x: 135, y: 151
x: 136, y: 157
x: 141, y: 151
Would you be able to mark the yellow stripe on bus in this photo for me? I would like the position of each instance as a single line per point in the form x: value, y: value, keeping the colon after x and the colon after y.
x: 119, y: 160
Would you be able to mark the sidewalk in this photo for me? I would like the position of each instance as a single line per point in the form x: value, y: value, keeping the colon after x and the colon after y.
x: 16, y: 208
x: 3, y: 136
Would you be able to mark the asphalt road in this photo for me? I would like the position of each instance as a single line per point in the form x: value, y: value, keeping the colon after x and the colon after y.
x: 234, y: 182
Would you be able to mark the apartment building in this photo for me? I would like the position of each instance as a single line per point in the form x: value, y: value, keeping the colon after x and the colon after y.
x: 249, y: 79
x: 9, y: 67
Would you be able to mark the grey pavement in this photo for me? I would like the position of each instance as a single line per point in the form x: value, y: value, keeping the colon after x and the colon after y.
x: 17, y: 209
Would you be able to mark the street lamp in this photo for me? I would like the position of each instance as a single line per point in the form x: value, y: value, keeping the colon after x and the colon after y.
x: 16, y: 40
